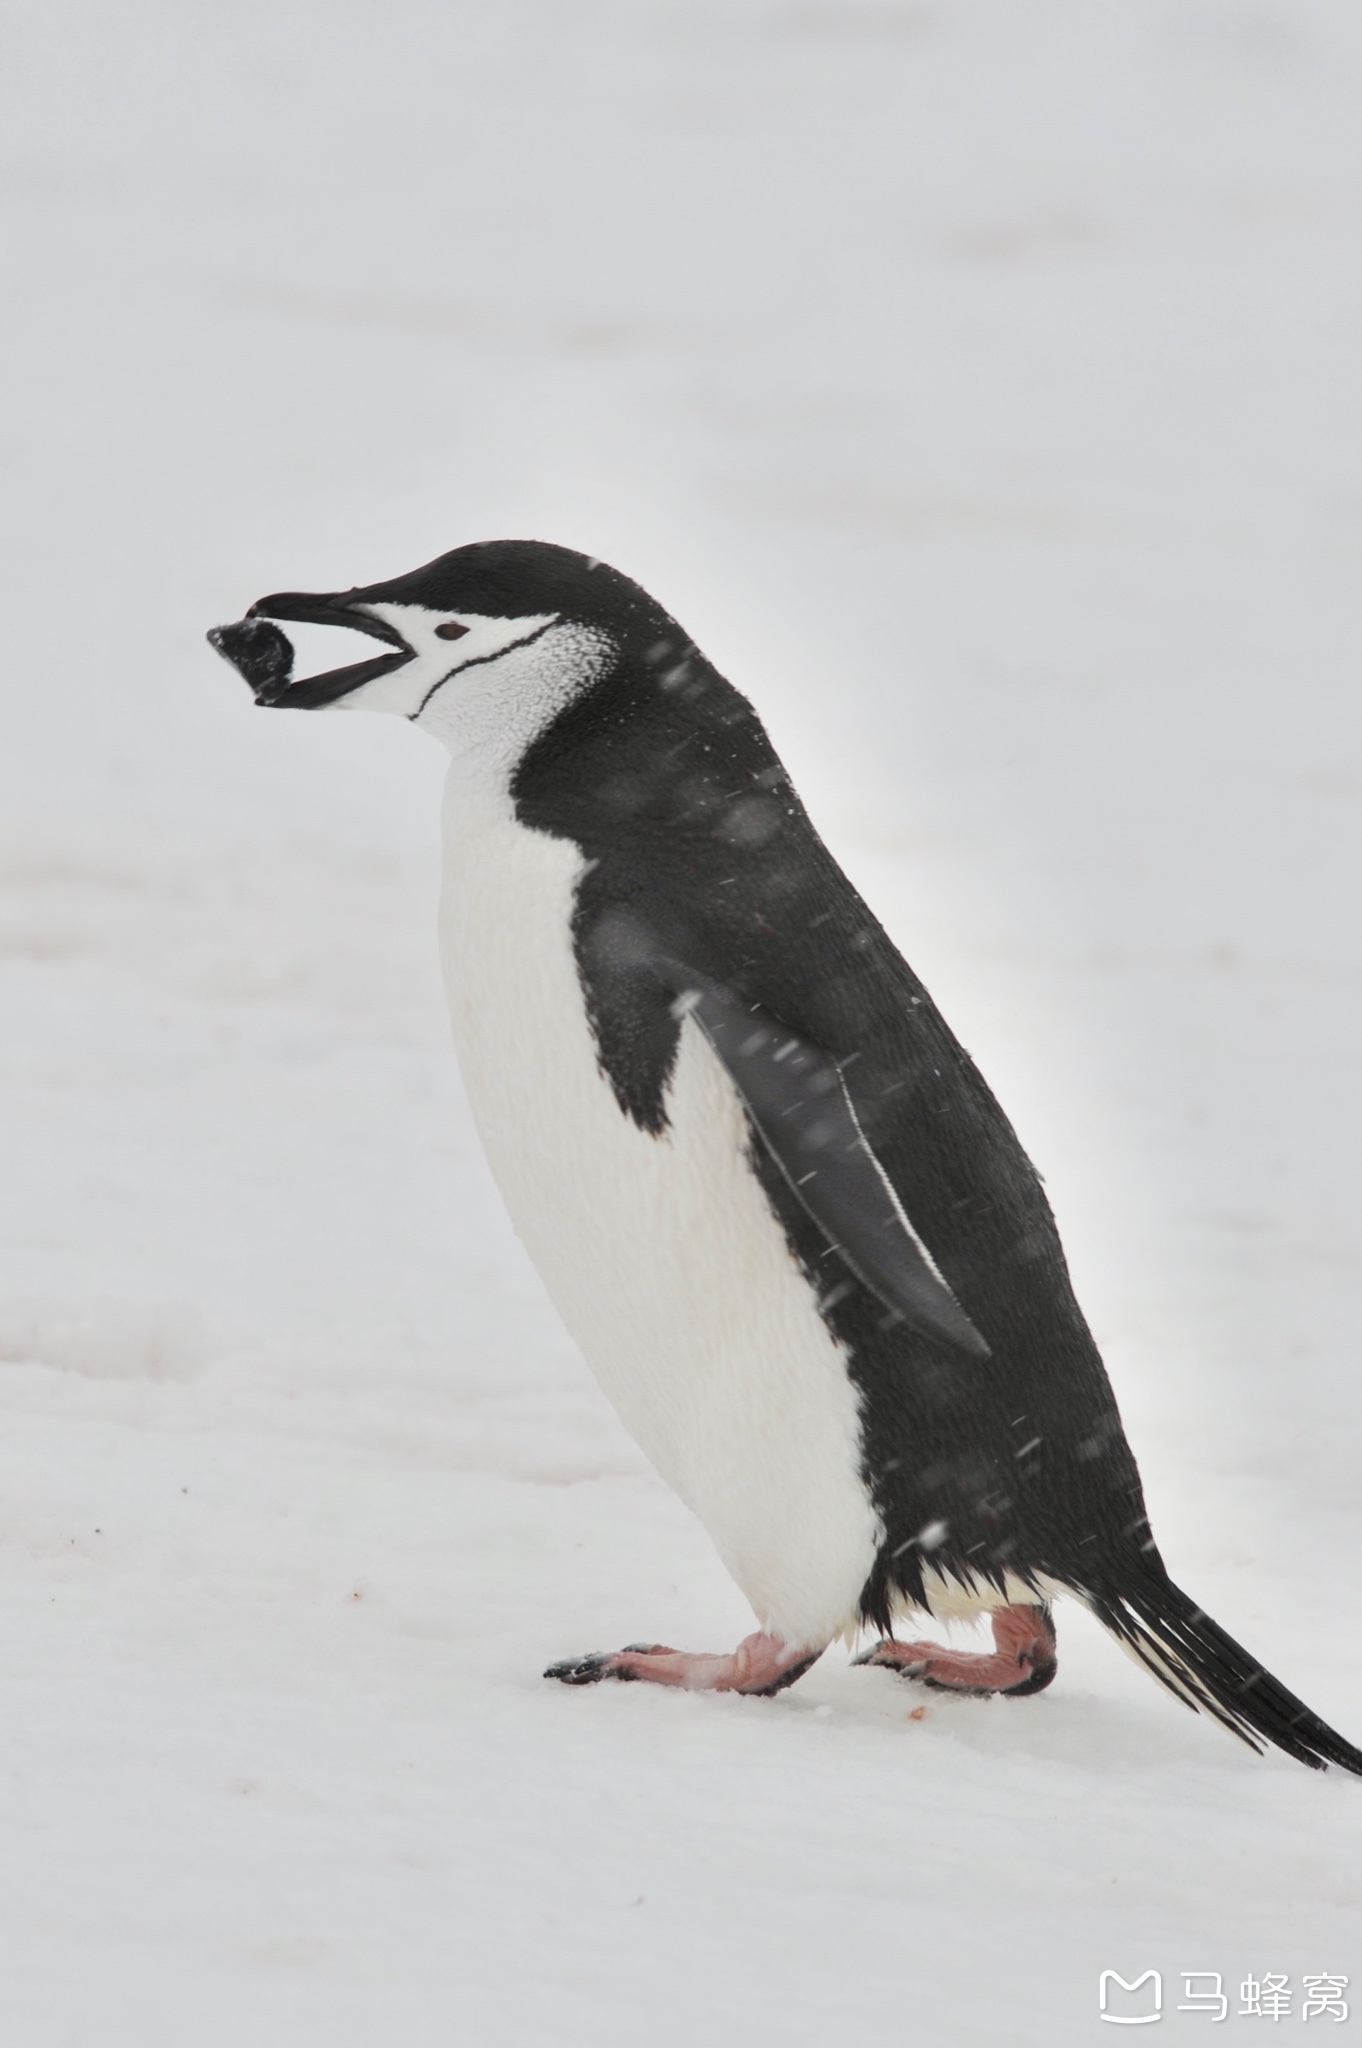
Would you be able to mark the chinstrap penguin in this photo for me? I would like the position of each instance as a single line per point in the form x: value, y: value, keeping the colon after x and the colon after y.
x: 793, y: 1233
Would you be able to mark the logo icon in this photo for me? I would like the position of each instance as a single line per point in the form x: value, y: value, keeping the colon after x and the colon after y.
x: 1130, y: 2005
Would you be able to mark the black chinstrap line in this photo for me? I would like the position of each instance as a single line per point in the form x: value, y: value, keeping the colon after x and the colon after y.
x: 481, y: 661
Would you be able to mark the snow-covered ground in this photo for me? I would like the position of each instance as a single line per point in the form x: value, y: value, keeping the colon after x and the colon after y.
x: 980, y: 385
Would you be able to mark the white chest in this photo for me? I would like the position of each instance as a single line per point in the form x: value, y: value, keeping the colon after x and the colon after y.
x: 661, y: 1254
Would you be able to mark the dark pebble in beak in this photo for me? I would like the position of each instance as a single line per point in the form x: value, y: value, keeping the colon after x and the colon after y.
x: 258, y: 650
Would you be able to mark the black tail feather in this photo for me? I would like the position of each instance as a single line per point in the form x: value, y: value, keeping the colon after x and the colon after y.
x: 1211, y: 1673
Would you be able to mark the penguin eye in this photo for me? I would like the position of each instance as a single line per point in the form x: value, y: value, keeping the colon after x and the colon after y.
x: 451, y: 630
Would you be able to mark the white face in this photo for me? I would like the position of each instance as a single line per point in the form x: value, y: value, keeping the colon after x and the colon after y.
x: 441, y: 651
x: 488, y: 691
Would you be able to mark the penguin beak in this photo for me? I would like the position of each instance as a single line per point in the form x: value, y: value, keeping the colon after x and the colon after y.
x: 261, y: 653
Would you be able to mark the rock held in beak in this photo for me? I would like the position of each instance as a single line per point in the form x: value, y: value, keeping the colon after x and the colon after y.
x: 258, y: 650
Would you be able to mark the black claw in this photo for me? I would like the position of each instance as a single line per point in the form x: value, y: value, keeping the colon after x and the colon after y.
x: 588, y: 1670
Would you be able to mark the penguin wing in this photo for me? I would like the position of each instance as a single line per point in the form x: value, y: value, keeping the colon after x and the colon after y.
x: 796, y: 1096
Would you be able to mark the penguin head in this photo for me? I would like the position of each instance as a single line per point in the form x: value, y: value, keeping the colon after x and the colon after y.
x: 516, y: 616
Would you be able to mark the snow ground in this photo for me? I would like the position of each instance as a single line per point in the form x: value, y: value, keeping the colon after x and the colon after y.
x: 979, y: 384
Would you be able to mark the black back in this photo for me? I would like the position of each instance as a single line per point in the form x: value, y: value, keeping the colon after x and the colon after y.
x: 665, y: 778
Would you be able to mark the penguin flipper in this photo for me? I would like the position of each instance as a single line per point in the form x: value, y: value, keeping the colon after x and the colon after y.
x: 796, y: 1096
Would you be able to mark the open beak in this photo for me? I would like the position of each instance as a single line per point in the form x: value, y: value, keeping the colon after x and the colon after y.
x: 261, y: 653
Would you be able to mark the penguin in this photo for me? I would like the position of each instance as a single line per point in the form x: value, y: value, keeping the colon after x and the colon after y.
x: 795, y: 1237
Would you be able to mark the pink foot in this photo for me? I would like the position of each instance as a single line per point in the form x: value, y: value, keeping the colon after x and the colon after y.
x: 761, y: 1664
x: 1023, y: 1661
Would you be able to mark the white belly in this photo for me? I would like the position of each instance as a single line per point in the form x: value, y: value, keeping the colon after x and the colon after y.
x: 661, y: 1254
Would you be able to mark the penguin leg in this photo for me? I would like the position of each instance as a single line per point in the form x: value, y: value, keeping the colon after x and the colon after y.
x: 1024, y: 1658
x: 761, y: 1664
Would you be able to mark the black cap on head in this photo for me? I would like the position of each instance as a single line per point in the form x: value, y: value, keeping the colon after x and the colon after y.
x: 509, y: 579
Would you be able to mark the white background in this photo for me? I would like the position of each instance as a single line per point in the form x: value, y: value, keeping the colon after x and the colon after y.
x: 979, y: 384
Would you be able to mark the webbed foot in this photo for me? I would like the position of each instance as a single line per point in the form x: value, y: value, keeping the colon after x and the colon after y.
x: 1024, y: 1658
x: 761, y: 1664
